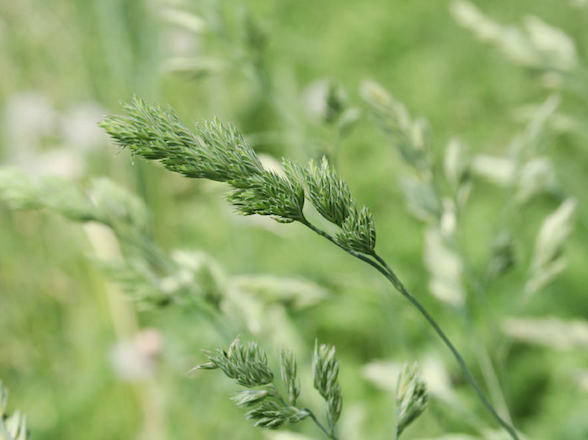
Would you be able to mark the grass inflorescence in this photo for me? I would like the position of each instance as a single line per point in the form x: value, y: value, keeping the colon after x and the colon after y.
x: 222, y: 154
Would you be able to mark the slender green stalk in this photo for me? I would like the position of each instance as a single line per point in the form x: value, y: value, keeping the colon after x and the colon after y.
x: 219, y: 152
x: 329, y: 434
x: 274, y: 392
x: 322, y: 233
x: 381, y: 266
x: 388, y: 273
x: 480, y: 288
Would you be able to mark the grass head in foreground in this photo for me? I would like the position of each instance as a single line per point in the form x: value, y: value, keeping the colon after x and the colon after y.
x: 248, y: 366
x: 219, y: 152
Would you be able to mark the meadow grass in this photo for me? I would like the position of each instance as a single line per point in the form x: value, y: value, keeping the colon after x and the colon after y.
x: 63, y: 327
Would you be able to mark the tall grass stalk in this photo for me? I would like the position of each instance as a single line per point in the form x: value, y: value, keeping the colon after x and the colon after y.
x: 219, y: 152
x: 381, y: 266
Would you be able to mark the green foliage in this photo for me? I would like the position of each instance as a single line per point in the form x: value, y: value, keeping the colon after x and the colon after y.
x: 145, y: 272
x: 215, y: 152
x: 105, y: 202
x: 23, y: 192
x: 221, y: 154
x: 503, y: 217
x: 332, y: 199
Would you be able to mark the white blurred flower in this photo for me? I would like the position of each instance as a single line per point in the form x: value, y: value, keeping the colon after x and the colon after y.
x: 578, y: 3
x: 552, y: 43
x: 185, y: 20
x: 536, y: 176
x: 438, y: 379
x: 547, y: 261
x: 32, y: 124
x: 549, y: 332
x: 536, y: 44
x: 62, y: 162
x: 315, y: 98
x: 136, y: 359
x: 181, y: 36
x: 270, y: 163
x: 2, y: 30
x: 325, y: 101
x: 553, y: 233
x: 180, y: 43
x: 582, y: 380
x: 284, y: 434
x: 496, y: 169
x: 28, y: 117
x: 79, y: 127
x: 384, y: 375
x: 446, y: 269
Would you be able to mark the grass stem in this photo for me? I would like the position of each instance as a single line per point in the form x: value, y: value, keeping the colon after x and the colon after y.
x: 381, y: 266
x: 329, y: 434
x: 389, y: 273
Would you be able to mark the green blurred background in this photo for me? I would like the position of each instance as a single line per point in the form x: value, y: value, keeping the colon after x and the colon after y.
x: 63, y: 328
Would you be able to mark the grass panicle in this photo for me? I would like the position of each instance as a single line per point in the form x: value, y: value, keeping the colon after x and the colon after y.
x: 412, y: 397
x: 325, y: 373
x: 216, y: 151
x: 247, y: 365
x: 328, y: 192
x: 272, y: 415
x: 258, y: 191
x: 289, y: 375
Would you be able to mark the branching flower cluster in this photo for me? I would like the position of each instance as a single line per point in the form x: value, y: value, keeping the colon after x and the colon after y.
x: 439, y: 197
x: 218, y: 152
x: 325, y: 371
x: 248, y: 366
x: 412, y: 396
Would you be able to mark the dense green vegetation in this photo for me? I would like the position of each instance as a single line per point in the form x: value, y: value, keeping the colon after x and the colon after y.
x: 114, y: 275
